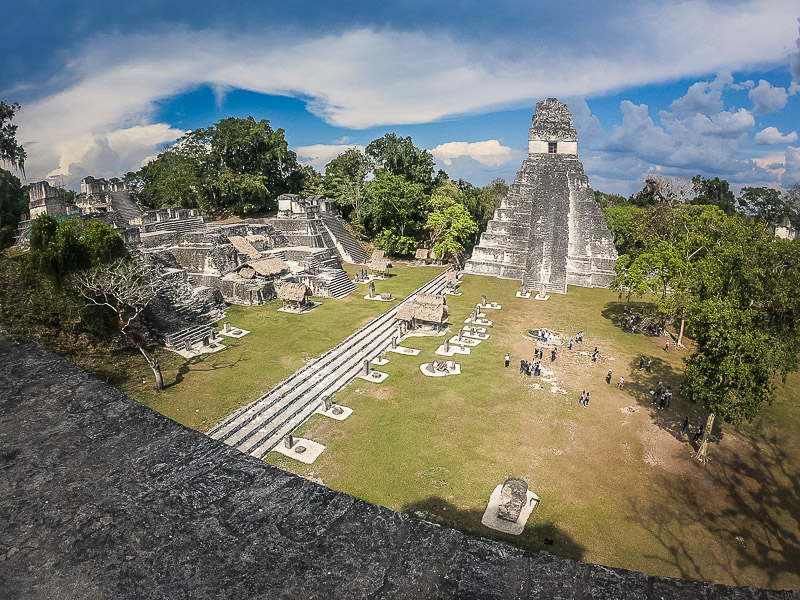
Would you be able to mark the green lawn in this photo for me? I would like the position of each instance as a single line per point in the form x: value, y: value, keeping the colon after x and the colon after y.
x: 204, y: 390
x: 616, y: 482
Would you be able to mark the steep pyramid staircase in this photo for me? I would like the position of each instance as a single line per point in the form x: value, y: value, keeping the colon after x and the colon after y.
x: 346, y: 244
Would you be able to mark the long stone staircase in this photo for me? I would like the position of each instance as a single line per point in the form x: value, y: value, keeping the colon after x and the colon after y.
x: 260, y: 426
x: 344, y: 241
x: 340, y: 285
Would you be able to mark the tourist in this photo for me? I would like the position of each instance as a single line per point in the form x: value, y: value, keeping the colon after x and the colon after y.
x: 666, y: 347
x: 649, y: 364
x: 621, y: 382
x: 522, y: 366
x: 685, y: 425
x: 583, y: 396
x: 662, y: 399
x: 699, y: 433
x: 641, y: 363
x: 669, y: 397
x: 553, y: 355
x: 586, y: 400
x: 595, y: 354
x: 569, y: 345
x: 608, y: 377
x: 508, y: 359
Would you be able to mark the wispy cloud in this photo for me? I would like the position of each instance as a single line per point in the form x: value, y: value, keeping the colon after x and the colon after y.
x: 368, y: 77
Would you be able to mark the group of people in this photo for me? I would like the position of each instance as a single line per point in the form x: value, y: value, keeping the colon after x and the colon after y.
x: 661, y: 396
x: 584, y: 399
x: 648, y: 364
x: 530, y: 368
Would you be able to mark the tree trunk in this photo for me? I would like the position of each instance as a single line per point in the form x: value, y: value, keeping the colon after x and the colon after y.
x: 153, y: 362
x: 701, y: 455
x: 680, y: 335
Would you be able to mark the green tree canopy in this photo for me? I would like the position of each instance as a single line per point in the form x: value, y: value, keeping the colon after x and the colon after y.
x: 395, y: 212
x: 237, y: 165
x: 346, y: 180
x: 11, y: 152
x: 449, y: 226
x: 400, y: 156
x: 714, y: 192
x: 766, y: 204
x: 13, y: 203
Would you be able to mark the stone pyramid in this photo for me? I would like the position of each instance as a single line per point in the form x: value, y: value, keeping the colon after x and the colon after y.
x: 548, y: 230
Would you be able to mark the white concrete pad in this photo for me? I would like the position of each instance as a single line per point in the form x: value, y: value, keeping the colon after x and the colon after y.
x: 308, y: 456
x: 424, y: 368
x: 311, y: 306
x: 492, y: 521
x: 525, y: 295
x: 453, y: 293
x: 198, y: 349
x: 453, y: 350
x: 404, y: 350
x: 485, y: 322
x: 540, y: 297
x: 491, y: 306
x: 235, y: 332
x: 378, y: 298
x: 339, y: 416
x: 475, y: 336
x: 375, y: 377
x: 464, y: 341
x: 379, y: 361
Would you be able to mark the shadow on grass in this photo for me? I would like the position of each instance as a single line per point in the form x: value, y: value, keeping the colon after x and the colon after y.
x: 214, y: 364
x: 534, y: 538
x: 619, y: 313
x: 747, y: 510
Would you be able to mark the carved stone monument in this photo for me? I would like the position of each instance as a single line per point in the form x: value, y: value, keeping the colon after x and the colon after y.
x: 513, y: 497
x: 371, y: 289
x: 548, y: 229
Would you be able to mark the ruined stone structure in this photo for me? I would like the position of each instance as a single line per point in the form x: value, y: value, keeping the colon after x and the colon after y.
x: 109, y: 196
x: 48, y: 200
x: 548, y: 230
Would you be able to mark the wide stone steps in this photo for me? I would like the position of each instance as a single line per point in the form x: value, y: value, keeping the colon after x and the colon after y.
x: 341, y: 285
x: 258, y: 427
x: 344, y: 240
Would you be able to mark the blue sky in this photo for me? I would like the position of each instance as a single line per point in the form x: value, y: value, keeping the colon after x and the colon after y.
x: 678, y: 88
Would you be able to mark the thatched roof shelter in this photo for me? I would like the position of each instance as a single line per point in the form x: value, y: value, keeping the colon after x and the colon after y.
x: 271, y: 266
x: 421, y: 254
x: 428, y: 308
x: 243, y: 246
x: 379, y: 264
x: 452, y: 276
x: 378, y: 255
x: 293, y: 292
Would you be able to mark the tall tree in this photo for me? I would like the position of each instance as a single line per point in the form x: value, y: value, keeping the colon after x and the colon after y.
x: 746, y: 323
x: 13, y: 203
x: 395, y: 212
x: 125, y: 288
x: 11, y: 152
x: 449, y: 226
x: 346, y: 179
x: 236, y: 165
x: 400, y: 156
x: 715, y: 192
x: 766, y: 204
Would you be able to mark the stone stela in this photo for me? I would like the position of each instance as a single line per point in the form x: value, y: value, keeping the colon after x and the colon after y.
x: 549, y: 228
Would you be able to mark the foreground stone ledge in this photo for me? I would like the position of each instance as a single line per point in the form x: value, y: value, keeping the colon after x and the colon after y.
x: 105, y: 498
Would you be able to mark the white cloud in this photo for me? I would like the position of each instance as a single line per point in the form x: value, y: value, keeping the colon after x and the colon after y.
x: 319, y: 155
x: 771, y: 135
x: 364, y: 78
x: 724, y: 123
x: 703, y: 96
x: 792, y: 166
x: 489, y: 152
x: 766, y: 98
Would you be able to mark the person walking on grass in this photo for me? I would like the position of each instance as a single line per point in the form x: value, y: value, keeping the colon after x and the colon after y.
x: 685, y: 425
x: 621, y: 382
x: 641, y: 363
x: 569, y: 345
x: 586, y: 400
x: 508, y: 359
x: 582, y: 398
x: 666, y: 347
x: 608, y: 377
x: 649, y: 365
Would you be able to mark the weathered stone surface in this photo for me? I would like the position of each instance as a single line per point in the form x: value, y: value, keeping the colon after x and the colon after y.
x: 512, y: 498
x: 548, y: 229
x: 105, y: 498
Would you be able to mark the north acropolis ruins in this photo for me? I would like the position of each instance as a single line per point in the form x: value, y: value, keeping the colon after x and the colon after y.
x: 549, y: 230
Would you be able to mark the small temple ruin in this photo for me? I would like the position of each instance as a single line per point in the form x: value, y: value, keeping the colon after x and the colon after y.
x: 549, y: 230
